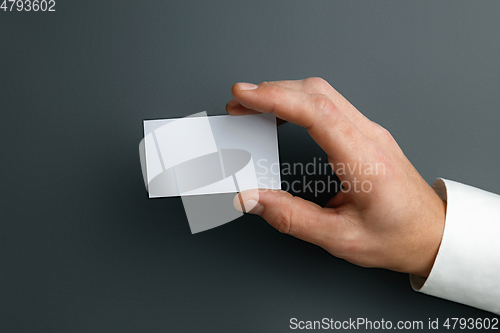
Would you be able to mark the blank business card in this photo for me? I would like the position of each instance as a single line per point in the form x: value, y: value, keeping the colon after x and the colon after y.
x: 201, y: 155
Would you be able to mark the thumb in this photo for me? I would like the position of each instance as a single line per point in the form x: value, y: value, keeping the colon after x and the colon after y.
x: 288, y: 214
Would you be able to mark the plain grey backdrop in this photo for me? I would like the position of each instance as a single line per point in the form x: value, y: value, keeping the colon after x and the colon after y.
x: 82, y: 248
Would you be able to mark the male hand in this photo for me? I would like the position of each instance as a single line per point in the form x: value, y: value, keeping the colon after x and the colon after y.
x: 397, y: 224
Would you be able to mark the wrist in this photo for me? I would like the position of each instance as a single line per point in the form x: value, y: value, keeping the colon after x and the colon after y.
x: 435, y: 225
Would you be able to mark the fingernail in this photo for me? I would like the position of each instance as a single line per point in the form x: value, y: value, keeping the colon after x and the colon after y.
x: 250, y: 206
x: 253, y: 207
x: 246, y: 86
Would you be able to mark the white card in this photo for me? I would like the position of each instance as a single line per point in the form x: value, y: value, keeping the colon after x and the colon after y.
x: 207, y: 160
x: 200, y: 155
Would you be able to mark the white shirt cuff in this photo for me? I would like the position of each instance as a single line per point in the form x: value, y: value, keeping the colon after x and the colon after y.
x: 467, y: 266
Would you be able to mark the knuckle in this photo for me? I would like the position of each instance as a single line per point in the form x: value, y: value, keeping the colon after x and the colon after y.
x: 384, y: 134
x: 319, y: 83
x: 273, y: 89
x: 329, y: 112
x: 284, y: 218
x: 384, y: 146
x: 350, y: 246
x: 324, y: 106
x: 276, y: 94
x: 347, y: 234
x: 283, y: 222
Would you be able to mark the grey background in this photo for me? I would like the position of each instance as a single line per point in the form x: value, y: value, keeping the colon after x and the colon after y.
x: 82, y: 249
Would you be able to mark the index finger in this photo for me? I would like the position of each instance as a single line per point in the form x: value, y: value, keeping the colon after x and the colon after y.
x: 327, y: 124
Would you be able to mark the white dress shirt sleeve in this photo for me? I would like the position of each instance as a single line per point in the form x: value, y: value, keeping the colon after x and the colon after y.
x: 467, y: 266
